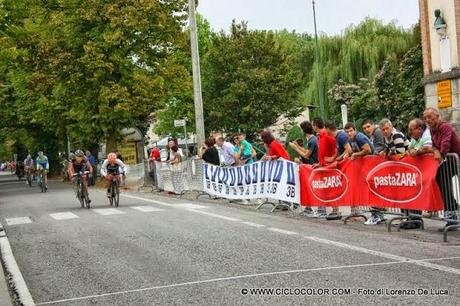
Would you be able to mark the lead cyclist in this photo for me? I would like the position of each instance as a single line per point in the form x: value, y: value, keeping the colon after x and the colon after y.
x: 42, y: 164
x: 111, y: 167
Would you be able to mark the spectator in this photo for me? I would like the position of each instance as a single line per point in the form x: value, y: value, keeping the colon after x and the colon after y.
x: 275, y: 149
x: 326, y: 143
x: 175, y: 157
x: 244, y: 150
x: 210, y: 153
x: 397, y: 145
x: 172, y: 143
x: 343, y: 145
x: 375, y: 135
x: 92, y: 161
x: 327, y: 147
x: 308, y: 151
x: 227, y: 151
x: 360, y: 144
x: 396, y: 142
x: 445, y: 140
x: 421, y: 138
x: 155, y: 154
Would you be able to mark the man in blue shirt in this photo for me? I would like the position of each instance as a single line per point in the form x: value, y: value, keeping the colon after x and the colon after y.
x: 92, y: 162
x: 309, y: 150
x: 360, y: 143
x: 343, y: 144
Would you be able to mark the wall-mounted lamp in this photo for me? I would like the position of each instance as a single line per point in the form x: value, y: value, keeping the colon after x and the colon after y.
x: 440, y: 24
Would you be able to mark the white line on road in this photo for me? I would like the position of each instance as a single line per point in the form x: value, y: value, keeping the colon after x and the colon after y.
x: 64, y: 216
x: 213, y: 280
x: 253, y: 224
x: 278, y: 230
x: 190, y: 206
x: 108, y: 211
x: 12, y: 268
x: 147, y: 200
x: 17, y: 221
x: 146, y: 208
x: 215, y: 215
x: 385, y: 255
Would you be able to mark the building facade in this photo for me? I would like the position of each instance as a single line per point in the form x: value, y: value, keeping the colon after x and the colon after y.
x: 440, y: 29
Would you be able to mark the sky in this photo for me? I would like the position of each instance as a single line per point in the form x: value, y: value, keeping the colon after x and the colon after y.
x: 332, y: 16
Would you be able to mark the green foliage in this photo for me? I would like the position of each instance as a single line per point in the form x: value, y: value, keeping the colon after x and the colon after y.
x: 88, y: 69
x: 358, y: 53
x: 249, y: 80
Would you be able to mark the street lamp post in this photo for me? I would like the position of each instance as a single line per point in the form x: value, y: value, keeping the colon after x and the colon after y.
x: 318, y: 71
x: 196, y: 76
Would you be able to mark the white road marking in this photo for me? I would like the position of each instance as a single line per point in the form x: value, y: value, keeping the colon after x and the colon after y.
x: 17, y: 221
x: 146, y: 208
x: 64, y: 216
x: 278, y: 230
x: 214, y: 280
x: 189, y: 206
x: 385, y: 255
x: 253, y: 224
x: 215, y: 215
x: 11, y: 266
x: 147, y: 200
x: 108, y: 211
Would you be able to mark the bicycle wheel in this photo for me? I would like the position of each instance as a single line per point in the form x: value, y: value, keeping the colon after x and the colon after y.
x: 86, y: 196
x: 42, y: 181
x: 80, y: 195
x: 116, y: 199
x: 111, y: 197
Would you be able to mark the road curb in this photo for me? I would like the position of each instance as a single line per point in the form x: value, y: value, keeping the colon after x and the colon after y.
x: 17, y: 283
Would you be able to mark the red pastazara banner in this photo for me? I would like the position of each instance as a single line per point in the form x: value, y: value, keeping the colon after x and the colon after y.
x: 408, y: 183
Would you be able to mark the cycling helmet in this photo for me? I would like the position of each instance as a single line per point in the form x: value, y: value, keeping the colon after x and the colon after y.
x: 40, y: 153
x: 71, y: 156
x: 28, y: 156
x: 79, y: 153
x: 112, y: 157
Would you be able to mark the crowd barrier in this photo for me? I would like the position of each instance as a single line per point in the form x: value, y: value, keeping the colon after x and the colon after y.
x: 284, y: 183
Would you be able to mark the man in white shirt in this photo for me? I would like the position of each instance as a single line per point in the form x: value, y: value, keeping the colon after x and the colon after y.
x: 227, y: 150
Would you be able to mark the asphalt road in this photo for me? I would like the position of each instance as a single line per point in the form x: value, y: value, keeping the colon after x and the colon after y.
x: 165, y: 251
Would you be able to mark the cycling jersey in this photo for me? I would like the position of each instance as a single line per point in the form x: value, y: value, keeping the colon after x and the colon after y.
x: 117, y: 168
x: 28, y: 163
x: 80, y: 167
x: 42, y: 163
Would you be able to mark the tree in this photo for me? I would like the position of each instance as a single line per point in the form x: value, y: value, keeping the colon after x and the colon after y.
x: 249, y: 80
x: 88, y: 69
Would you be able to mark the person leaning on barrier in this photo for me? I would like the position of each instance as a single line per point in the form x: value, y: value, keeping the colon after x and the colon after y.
x: 445, y: 140
x: 275, y: 149
x: 396, y: 142
x: 375, y: 135
x: 344, y: 149
x: 227, y: 151
x: 420, y: 142
x: 398, y: 145
x: 308, y: 151
x: 209, y: 152
x: 360, y: 143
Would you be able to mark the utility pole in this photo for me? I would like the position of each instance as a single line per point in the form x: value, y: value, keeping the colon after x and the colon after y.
x: 318, y: 71
x: 196, y: 76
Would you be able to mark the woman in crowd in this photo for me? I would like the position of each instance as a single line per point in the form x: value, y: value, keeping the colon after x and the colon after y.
x: 209, y: 152
x: 275, y: 149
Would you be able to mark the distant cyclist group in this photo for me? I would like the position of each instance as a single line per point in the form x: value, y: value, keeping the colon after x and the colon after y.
x: 80, y: 171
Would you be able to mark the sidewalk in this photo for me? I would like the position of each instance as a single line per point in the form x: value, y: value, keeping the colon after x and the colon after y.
x: 5, y: 298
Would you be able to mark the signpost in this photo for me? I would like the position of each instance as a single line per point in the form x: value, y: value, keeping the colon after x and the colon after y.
x: 180, y: 123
